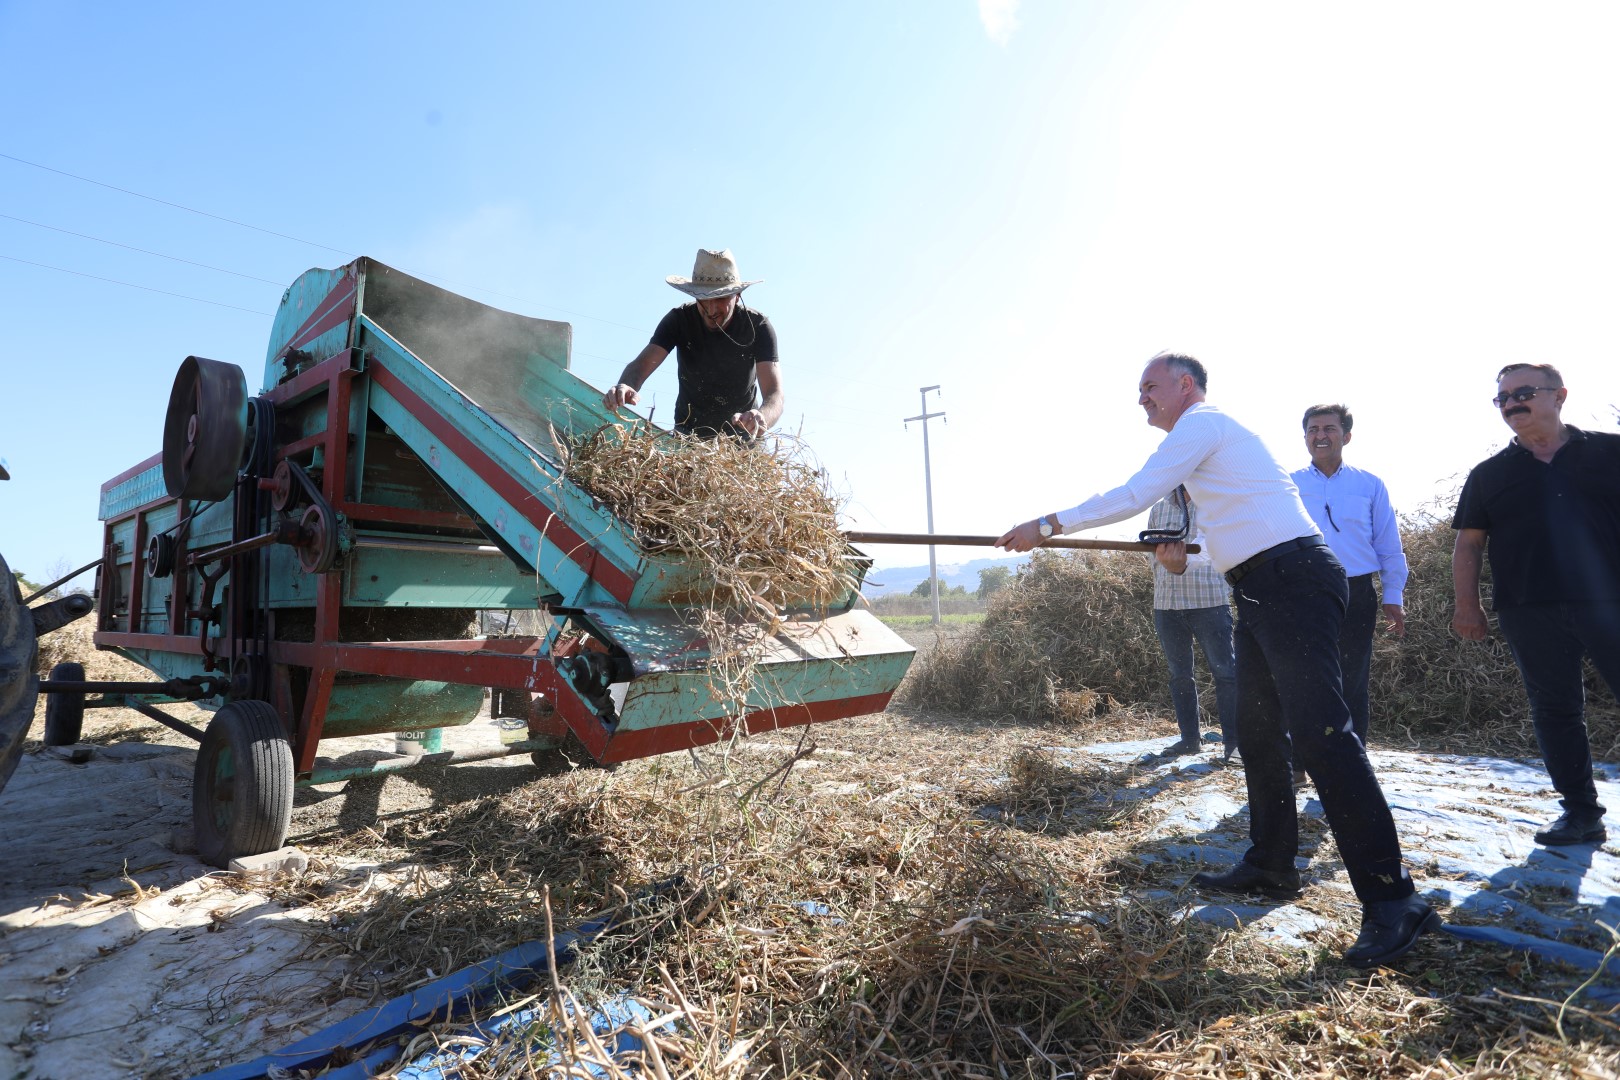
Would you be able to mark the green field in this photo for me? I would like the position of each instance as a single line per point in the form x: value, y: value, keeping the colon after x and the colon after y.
x: 963, y: 619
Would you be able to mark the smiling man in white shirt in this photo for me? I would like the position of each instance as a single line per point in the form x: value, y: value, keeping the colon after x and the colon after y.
x: 1291, y: 596
x: 1352, y: 510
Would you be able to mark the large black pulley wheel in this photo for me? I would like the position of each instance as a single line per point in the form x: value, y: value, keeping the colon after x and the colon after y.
x: 64, y: 713
x: 205, y: 432
x: 242, y: 790
x: 160, y: 556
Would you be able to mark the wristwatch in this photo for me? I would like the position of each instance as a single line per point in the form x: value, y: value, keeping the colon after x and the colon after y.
x: 1049, y: 527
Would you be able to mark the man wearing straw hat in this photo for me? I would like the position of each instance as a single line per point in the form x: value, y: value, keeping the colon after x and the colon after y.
x: 1291, y: 596
x: 1546, y: 511
x: 725, y: 355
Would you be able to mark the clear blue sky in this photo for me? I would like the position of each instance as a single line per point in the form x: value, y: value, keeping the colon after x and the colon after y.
x: 1020, y: 201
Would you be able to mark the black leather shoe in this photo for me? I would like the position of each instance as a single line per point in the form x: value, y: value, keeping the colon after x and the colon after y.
x: 1389, y: 929
x: 1573, y: 829
x: 1247, y: 879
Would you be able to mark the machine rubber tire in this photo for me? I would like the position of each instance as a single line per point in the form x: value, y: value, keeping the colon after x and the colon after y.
x: 242, y: 789
x: 64, y: 713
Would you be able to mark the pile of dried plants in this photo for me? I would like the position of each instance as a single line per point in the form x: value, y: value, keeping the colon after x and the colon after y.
x: 1074, y: 635
x: 757, y: 521
x: 754, y: 527
x: 888, y: 904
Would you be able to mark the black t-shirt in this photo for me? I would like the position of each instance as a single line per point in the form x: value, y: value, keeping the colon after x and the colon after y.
x: 1554, y: 527
x: 715, y: 367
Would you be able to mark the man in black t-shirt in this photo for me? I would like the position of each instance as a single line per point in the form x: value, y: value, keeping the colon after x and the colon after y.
x: 1546, y: 510
x: 725, y: 356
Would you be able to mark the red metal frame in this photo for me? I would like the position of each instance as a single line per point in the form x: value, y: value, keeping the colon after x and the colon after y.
x: 519, y: 664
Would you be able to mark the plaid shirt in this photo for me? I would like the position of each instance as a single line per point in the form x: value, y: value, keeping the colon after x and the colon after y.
x: 1202, y: 586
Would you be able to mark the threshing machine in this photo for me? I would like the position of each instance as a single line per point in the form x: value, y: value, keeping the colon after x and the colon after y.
x: 307, y: 562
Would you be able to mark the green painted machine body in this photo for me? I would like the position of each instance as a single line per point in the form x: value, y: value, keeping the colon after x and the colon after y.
x: 403, y: 473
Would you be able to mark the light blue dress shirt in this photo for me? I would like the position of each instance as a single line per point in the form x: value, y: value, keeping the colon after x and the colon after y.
x: 1352, y: 509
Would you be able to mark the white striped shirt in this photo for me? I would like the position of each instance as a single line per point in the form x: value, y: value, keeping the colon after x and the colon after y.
x: 1247, y: 500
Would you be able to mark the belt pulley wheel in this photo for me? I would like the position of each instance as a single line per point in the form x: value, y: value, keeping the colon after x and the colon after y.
x: 318, y: 546
x: 285, y: 490
x: 160, y: 553
x: 205, y: 430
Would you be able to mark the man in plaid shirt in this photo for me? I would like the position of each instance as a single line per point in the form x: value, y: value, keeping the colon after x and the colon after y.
x: 1193, y: 603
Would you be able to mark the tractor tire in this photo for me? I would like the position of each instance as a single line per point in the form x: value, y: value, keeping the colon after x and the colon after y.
x: 64, y: 713
x: 242, y: 789
x: 19, y: 683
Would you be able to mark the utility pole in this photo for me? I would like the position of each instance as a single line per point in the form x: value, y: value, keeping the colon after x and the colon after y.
x: 928, y: 490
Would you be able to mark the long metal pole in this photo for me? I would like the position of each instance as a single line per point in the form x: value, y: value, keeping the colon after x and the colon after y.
x: 928, y: 492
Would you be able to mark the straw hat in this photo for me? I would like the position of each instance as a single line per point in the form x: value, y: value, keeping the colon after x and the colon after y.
x: 714, y: 274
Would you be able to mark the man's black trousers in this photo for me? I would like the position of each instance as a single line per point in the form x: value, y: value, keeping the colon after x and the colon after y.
x: 1548, y: 641
x: 1289, y: 615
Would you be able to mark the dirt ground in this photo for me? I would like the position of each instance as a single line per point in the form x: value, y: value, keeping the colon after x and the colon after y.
x: 124, y: 955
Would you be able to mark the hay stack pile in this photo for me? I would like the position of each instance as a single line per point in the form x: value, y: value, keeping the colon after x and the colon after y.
x: 758, y: 520
x: 1075, y: 633
x: 1071, y: 637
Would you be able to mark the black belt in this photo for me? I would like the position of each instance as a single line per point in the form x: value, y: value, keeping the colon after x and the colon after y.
x: 1241, y: 570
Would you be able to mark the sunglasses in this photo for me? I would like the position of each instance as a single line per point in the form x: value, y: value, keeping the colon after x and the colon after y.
x: 1521, y: 395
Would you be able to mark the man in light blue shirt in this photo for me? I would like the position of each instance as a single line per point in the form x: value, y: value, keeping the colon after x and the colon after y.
x: 1351, y: 506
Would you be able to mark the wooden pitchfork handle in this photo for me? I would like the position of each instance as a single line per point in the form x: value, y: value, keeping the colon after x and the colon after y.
x: 948, y: 540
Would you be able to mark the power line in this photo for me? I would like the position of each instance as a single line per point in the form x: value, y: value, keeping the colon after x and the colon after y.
x: 132, y: 285
x: 348, y: 255
x: 177, y: 206
x: 143, y: 251
x: 198, y: 299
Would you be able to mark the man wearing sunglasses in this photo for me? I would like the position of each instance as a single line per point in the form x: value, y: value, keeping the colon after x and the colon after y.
x: 1546, y: 512
x: 1291, y: 594
x: 1352, y: 509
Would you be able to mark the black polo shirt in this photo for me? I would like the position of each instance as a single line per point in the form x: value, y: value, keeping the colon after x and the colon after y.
x: 715, y: 367
x: 1554, y: 528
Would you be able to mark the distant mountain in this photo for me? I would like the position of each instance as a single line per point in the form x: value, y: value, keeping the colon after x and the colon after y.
x: 885, y: 580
